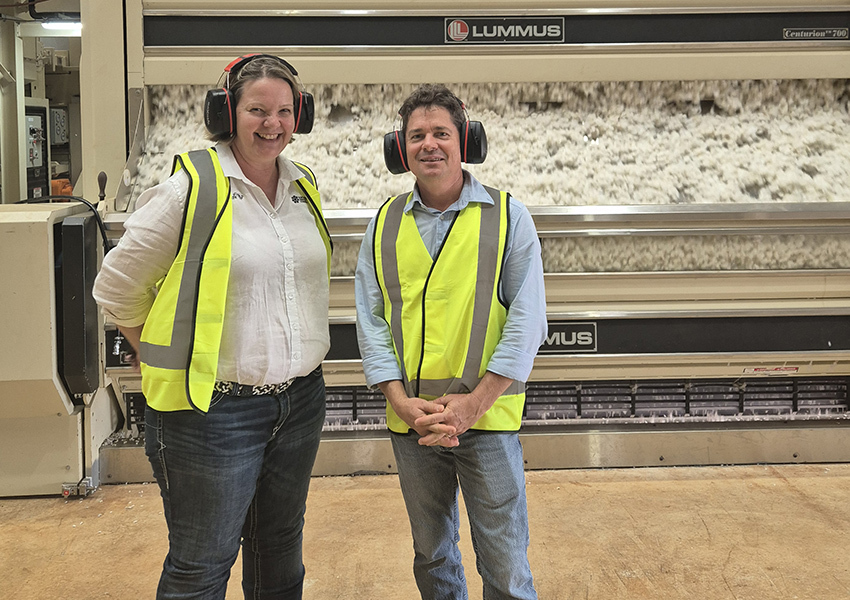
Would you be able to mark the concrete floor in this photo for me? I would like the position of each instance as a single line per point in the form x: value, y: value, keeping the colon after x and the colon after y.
x: 738, y: 533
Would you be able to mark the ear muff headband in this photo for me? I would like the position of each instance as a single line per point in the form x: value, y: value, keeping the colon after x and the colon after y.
x: 220, y: 106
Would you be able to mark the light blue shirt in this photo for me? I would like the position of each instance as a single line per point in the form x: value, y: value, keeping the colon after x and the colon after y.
x: 521, y: 287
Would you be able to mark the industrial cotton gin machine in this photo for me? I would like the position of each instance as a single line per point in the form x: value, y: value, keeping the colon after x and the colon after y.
x: 687, y: 166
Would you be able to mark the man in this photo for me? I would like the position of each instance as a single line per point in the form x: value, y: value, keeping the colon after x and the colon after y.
x: 450, y: 314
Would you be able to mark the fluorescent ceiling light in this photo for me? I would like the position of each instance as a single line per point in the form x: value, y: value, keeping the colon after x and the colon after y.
x: 53, y: 28
x: 63, y: 25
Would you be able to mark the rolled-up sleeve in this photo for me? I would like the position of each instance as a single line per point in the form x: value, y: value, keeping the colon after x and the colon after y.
x: 523, y: 289
x: 124, y: 287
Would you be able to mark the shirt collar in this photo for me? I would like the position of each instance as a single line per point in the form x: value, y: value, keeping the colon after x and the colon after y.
x: 287, y: 170
x: 472, y: 191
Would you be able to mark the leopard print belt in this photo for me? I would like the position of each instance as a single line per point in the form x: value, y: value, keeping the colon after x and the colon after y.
x: 232, y: 388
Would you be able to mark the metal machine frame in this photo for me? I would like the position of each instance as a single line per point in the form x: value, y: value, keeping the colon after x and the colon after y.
x: 808, y: 41
x: 56, y: 410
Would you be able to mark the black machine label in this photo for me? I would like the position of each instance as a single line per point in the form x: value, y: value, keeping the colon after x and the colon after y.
x: 533, y: 30
x: 410, y: 30
x: 827, y: 333
x: 569, y: 337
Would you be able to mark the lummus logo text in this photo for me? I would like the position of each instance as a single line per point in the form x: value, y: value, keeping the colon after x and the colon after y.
x: 567, y: 337
x: 573, y: 338
x: 505, y: 31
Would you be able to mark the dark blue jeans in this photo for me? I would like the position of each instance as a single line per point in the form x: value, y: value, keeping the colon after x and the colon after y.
x: 240, y: 472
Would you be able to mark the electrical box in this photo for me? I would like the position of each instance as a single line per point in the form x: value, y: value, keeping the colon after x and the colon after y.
x: 59, y: 126
x: 37, y: 148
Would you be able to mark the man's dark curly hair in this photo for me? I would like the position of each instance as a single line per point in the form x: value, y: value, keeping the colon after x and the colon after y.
x: 431, y: 95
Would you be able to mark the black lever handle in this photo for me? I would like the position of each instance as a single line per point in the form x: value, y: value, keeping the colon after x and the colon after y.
x: 101, y: 182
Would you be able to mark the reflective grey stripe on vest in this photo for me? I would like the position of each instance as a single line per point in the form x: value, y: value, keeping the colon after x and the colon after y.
x: 307, y: 173
x: 438, y: 387
x: 485, y: 282
x: 389, y: 258
x: 177, y: 355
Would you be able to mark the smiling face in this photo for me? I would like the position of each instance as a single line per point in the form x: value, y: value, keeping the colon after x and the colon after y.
x: 264, y: 121
x: 433, y: 146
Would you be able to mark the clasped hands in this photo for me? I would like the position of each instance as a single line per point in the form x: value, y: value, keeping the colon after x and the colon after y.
x: 441, y: 421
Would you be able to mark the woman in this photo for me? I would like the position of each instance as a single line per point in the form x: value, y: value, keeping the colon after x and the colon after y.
x: 220, y: 283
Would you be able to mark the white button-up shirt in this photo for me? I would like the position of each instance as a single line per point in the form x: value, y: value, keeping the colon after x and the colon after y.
x: 276, y: 312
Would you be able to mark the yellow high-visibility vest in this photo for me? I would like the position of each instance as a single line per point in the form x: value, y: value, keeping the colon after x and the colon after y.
x: 445, y: 314
x: 181, y: 337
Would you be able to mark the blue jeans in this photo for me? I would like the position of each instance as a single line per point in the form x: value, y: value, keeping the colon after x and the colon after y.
x: 240, y: 472
x: 488, y: 466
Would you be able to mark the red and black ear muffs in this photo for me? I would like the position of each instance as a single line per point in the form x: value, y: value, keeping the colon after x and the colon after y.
x: 220, y: 107
x: 473, y: 147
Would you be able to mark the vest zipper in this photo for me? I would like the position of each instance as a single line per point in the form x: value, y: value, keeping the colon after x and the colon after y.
x: 424, y: 291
